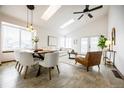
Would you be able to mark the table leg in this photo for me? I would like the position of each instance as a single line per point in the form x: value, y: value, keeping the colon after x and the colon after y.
x: 69, y: 55
x: 38, y: 73
x: 105, y: 57
x: 114, y: 59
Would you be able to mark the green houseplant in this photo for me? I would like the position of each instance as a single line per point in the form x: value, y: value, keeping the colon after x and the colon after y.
x: 101, y: 42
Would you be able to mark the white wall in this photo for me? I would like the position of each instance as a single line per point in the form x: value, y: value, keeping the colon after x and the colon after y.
x: 116, y: 19
x: 42, y: 33
x: 0, y: 45
x: 43, y: 36
x: 97, y: 27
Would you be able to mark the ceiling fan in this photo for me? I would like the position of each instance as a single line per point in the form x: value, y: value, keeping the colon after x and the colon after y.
x: 87, y: 11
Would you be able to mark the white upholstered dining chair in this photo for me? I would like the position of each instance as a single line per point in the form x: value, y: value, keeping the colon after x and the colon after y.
x: 17, y: 57
x: 26, y: 60
x: 50, y: 60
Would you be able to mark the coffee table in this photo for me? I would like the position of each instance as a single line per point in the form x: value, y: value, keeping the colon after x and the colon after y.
x: 72, y: 54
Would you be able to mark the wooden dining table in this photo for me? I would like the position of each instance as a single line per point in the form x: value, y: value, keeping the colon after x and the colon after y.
x: 45, y: 51
x: 38, y: 52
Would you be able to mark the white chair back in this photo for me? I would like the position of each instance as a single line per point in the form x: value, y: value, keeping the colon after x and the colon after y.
x: 17, y: 54
x: 50, y: 60
x: 26, y: 59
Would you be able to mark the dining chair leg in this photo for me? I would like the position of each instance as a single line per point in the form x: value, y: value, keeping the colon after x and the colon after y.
x: 26, y: 72
x: 52, y: 67
x: 99, y: 67
x: 49, y: 73
x: 38, y: 73
x: 87, y: 69
x: 21, y: 69
x: 16, y: 64
x: 57, y: 69
x: 18, y: 67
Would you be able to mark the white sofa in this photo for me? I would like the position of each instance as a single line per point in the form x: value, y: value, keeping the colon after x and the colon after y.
x: 63, y: 51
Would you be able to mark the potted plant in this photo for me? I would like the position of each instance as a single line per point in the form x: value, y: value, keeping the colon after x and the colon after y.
x: 101, y: 42
x: 35, y: 41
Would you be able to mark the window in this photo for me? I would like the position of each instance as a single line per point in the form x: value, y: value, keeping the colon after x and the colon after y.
x: 65, y: 42
x: 62, y: 42
x: 26, y: 39
x: 68, y: 42
x: 14, y: 37
x: 10, y: 37
x: 94, y: 43
x: 89, y: 44
x: 84, y: 45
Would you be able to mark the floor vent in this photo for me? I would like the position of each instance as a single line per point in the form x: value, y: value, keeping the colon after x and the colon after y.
x: 116, y: 74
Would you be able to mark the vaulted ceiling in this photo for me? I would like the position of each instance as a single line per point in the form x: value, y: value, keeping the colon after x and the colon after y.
x: 64, y: 14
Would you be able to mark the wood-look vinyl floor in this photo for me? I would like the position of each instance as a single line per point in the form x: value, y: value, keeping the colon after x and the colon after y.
x: 71, y: 76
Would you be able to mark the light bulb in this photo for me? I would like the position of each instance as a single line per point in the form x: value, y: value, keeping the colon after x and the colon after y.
x: 31, y: 26
x: 27, y: 29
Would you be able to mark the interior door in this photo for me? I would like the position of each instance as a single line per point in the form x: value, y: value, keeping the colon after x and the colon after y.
x: 84, y: 45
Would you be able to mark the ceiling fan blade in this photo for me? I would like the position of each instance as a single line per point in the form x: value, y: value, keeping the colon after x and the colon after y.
x: 95, y: 8
x: 80, y: 17
x: 77, y: 12
x: 90, y: 15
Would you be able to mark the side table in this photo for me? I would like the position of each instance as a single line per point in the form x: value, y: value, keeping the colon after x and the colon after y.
x: 110, y: 57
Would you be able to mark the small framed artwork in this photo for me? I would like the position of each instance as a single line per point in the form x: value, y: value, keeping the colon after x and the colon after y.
x: 52, y: 41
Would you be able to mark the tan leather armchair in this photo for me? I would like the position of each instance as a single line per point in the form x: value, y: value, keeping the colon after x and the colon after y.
x: 91, y: 59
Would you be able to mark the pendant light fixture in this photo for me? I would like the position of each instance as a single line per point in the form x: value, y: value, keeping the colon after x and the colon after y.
x: 30, y: 9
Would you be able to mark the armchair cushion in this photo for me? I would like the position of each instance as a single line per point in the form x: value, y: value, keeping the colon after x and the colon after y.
x: 81, y: 60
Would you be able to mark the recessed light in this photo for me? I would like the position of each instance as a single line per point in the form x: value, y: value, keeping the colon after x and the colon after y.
x: 67, y: 23
x: 51, y: 10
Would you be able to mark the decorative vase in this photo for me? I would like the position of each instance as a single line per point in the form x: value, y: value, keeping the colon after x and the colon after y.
x: 35, y: 45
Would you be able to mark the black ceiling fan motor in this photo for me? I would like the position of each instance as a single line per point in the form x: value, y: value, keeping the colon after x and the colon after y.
x: 31, y: 7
